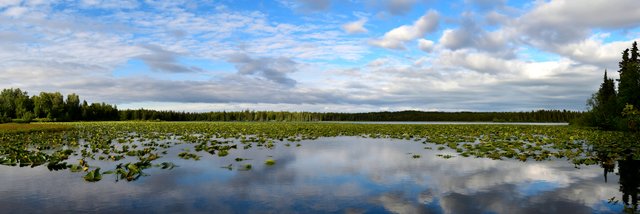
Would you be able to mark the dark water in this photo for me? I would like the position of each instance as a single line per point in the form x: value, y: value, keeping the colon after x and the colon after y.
x: 328, y: 175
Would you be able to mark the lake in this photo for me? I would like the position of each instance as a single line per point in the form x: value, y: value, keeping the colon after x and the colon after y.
x: 337, y: 174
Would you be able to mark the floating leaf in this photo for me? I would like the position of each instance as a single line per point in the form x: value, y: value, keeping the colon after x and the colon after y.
x: 93, y: 176
x: 270, y: 162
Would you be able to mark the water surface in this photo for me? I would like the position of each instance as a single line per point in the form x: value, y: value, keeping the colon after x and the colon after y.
x: 327, y: 175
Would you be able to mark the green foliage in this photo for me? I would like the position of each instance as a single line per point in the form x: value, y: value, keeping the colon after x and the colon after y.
x: 51, y: 106
x: 629, y: 87
x: 604, y: 107
x: 27, y: 117
x: 72, y: 107
x: 14, y: 103
x: 93, y: 176
x: 611, y: 109
x: 4, y: 118
x: 631, y: 116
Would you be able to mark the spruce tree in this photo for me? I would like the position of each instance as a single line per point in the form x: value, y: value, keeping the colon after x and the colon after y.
x: 604, y: 108
x: 629, y: 86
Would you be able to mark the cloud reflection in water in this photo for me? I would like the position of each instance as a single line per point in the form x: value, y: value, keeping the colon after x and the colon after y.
x: 341, y: 174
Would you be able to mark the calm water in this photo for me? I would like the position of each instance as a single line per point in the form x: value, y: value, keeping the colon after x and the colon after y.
x: 328, y: 175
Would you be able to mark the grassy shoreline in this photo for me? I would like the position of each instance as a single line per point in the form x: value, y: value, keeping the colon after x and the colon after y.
x: 32, y: 127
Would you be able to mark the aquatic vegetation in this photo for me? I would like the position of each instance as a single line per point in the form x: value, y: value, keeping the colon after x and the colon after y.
x: 187, y: 156
x: 93, y: 176
x: 229, y: 167
x: 447, y: 156
x: 167, y: 165
x: 270, y: 162
x: 246, y: 167
x: 131, y: 171
x: 131, y: 147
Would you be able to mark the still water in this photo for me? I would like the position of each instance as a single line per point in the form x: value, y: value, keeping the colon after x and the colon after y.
x: 327, y: 175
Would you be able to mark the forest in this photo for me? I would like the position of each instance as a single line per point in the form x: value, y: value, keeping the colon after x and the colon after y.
x: 17, y: 106
x: 533, y: 116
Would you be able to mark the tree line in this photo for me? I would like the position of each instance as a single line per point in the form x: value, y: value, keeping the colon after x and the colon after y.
x: 612, y: 109
x: 533, y: 116
x: 17, y: 106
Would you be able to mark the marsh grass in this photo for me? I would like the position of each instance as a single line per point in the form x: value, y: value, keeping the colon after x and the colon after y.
x: 32, y: 127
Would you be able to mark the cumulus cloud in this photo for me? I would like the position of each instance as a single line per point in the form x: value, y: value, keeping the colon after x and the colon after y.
x: 494, y: 18
x: 396, y: 38
x: 594, y: 13
x: 272, y: 69
x: 595, y: 51
x: 15, y: 11
x: 566, y: 28
x: 355, y: 26
x: 549, y: 57
x: 159, y: 59
x: 425, y: 45
x: 471, y: 35
x: 554, y: 23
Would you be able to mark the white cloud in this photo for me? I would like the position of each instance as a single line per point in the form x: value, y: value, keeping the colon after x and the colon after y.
x: 7, y: 3
x: 38, y: 2
x: 495, y: 18
x: 554, y: 23
x: 531, y: 61
x: 595, y: 51
x: 110, y: 4
x: 471, y: 35
x: 425, y: 45
x: 355, y: 26
x: 396, y: 38
x: 272, y: 69
x: 593, y: 13
x: 15, y: 11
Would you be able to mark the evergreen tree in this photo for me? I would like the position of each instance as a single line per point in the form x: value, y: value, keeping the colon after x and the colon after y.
x: 604, y: 108
x: 629, y: 86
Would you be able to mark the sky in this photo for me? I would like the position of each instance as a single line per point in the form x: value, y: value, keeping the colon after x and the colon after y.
x: 317, y: 55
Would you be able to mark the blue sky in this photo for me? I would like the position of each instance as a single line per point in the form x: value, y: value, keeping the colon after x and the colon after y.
x: 317, y: 55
